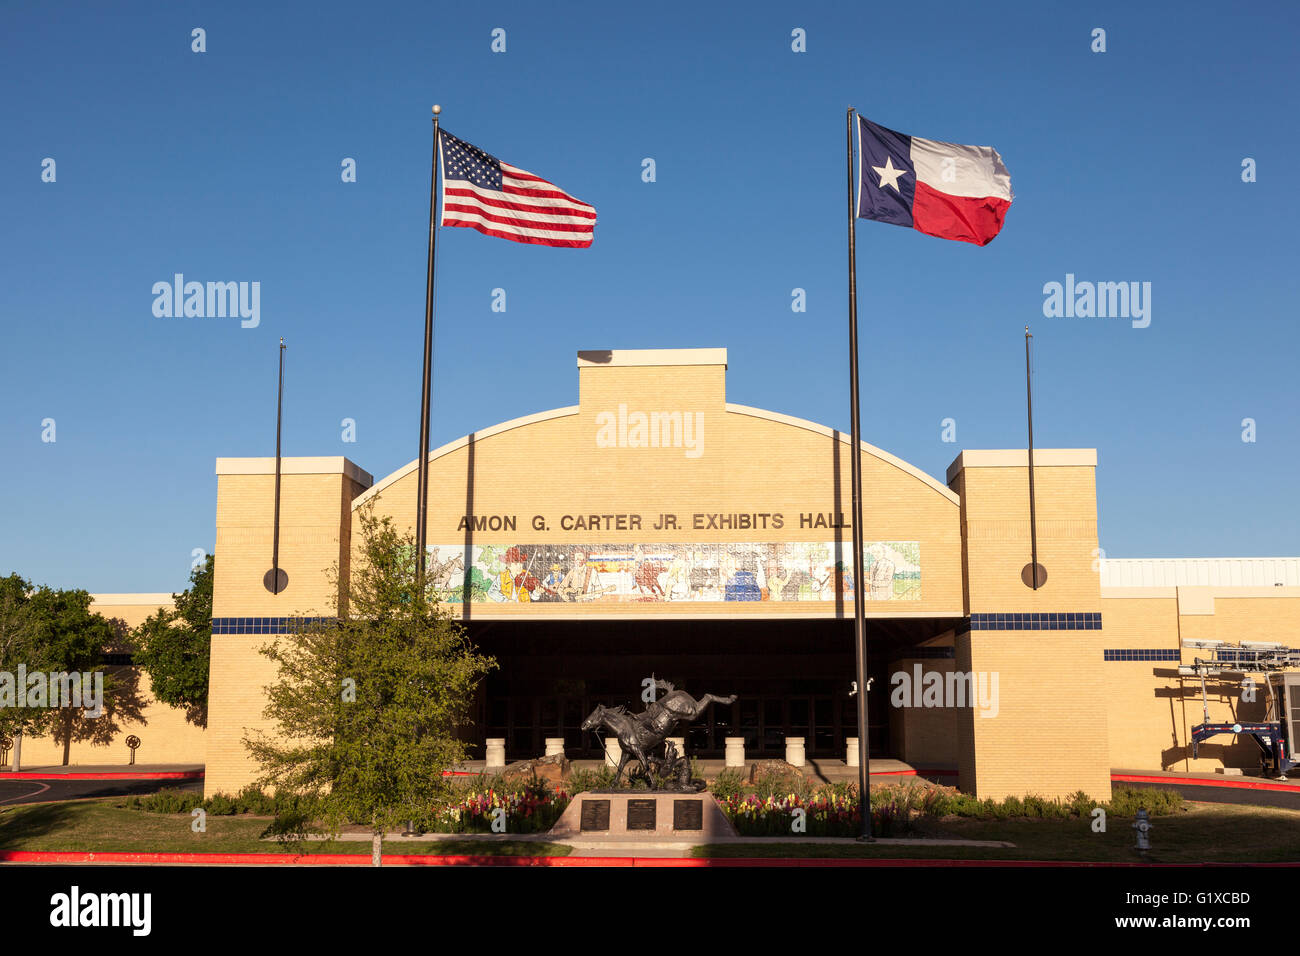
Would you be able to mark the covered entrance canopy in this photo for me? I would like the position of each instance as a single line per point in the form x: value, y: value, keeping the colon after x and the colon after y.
x: 792, y: 679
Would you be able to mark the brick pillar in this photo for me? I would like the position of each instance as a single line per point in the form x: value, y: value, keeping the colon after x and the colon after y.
x: 1047, y: 733
x: 315, y: 538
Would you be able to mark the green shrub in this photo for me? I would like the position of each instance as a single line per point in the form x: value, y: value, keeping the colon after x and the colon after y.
x: 1126, y: 801
x: 1042, y: 808
x: 254, y: 801
x: 782, y: 785
x: 1080, y: 803
x: 220, y: 805
x: 167, y: 800
x: 960, y: 804
x: 934, y: 803
x: 581, y: 781
x: 729, y: 783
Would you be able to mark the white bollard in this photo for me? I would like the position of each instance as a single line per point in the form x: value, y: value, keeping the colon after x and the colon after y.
x: 735, y: 751
x: 851, y: 756
x: 613, y: 751
x: 554, y: 747
x: 794, y: 751
x: 496, y: 752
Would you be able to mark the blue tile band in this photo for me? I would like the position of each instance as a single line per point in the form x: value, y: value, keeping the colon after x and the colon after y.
x: 1141, y: 654
x: 263, y: 625
x: 1037, y: 621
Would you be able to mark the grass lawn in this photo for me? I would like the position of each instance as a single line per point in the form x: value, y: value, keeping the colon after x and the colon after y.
x: 101, y: 826
x: 1201, y: 833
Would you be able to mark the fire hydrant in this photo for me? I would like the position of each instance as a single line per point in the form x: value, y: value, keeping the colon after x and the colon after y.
x: 1143, y: 827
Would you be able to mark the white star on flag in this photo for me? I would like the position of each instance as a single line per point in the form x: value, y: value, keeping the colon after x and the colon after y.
x: 889, y: 174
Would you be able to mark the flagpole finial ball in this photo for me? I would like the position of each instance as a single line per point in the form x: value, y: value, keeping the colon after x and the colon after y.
x: 436, y: 109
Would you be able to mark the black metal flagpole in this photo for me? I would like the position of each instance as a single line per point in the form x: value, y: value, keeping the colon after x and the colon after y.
x: 859, y: 611
x: 275, y: 529
x: 1033, y: 524
x: 422, y: 483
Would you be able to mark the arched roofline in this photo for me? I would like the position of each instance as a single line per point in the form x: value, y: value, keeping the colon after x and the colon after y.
x: 459, y: 443
x: 877, y: 453
x: 872, y: 450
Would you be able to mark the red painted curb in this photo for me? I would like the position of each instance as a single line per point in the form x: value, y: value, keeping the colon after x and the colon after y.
x: 1198, y: 782
x: 361, y: 859
x: 158, y: 775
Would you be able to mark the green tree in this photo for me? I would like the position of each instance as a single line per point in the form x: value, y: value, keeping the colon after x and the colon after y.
x: 52, y: 631
x: 173, y: 645
x: 74, y: 640
x: 368, y: 708
x: 17, y: 646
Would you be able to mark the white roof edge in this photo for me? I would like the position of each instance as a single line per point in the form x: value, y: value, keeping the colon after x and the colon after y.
x: 872, y: 450
x: 616, y: 358
x: 1019, y: 458
x: 1200, y: 572
x: 1278, y: 557
x: 461, y: 443
x: 320, y: 465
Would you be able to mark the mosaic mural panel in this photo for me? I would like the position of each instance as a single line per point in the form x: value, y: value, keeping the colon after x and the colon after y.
x: 674, y: 573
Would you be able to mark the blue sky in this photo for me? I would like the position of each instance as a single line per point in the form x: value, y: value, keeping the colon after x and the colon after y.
x: 225, y: 165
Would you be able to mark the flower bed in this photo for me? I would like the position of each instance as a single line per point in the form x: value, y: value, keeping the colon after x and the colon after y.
x: 529, y: 808
x: 800, y: 809
x: 823, y: 814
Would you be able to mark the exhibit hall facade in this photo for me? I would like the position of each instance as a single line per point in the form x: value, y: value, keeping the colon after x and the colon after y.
x: 656, y: 529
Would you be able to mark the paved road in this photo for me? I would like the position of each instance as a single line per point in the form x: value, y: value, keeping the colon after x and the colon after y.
x: 44, y: 791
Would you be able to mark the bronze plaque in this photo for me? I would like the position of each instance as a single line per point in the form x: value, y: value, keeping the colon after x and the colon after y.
x: 641, y: 814
x: 688, y: 814
x: 595, y: 815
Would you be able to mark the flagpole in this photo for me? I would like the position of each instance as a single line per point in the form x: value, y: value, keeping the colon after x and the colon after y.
x: 422, y: 482
x: 1033, y: 523
x: 275, y: 529
x: 859, y: 611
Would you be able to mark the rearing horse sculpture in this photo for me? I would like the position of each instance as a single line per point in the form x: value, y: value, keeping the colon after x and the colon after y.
x: 641, y: 734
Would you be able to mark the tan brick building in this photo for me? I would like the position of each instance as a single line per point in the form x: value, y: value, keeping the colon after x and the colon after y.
x: 654, y: 527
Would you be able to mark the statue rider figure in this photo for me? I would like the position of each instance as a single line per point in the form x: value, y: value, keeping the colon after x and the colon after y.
x: 656, y: 716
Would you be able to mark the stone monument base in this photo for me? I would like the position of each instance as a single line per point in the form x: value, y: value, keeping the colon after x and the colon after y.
x: 631, y: 814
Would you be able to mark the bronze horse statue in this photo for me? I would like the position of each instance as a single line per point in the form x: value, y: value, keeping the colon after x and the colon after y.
x: 641, y: 734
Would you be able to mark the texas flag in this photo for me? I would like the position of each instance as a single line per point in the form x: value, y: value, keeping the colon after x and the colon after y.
x: 940, y: 189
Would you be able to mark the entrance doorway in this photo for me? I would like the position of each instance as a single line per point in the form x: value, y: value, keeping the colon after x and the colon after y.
x: 792, y: 679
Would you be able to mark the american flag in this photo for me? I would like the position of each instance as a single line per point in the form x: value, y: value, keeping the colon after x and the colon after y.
x: 497, y: 199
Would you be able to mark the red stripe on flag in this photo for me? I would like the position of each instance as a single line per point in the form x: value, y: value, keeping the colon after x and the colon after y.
x: 450, y: 209
x: 560, y: 197
x: 513, y: 172
x: 964, y: 218
x: 469, y: 194
x: 535, y: 240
